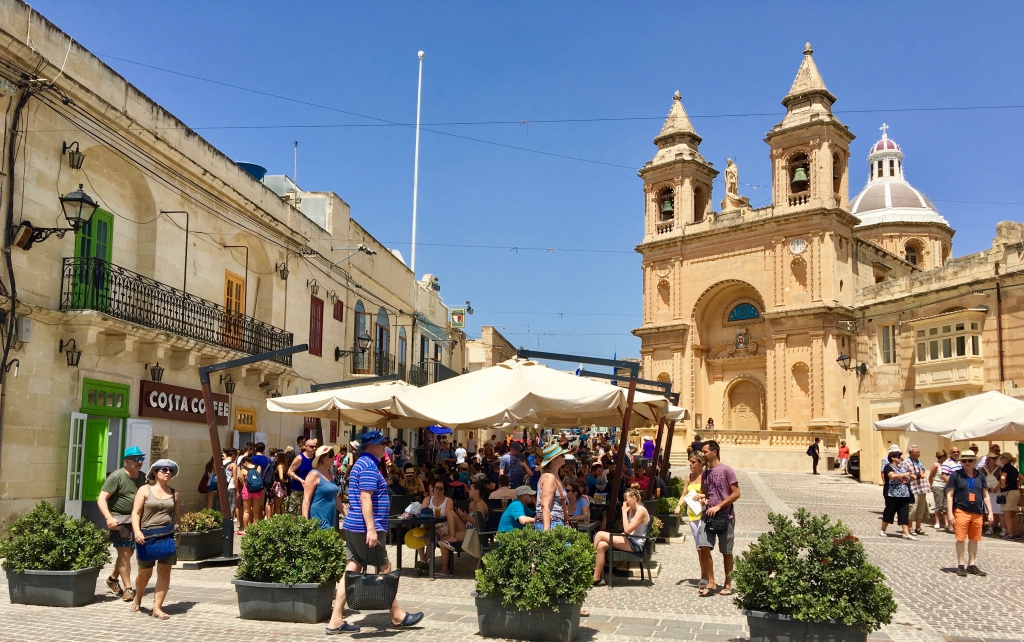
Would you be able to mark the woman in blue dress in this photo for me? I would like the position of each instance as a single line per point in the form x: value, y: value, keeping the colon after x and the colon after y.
x: 321, y: 500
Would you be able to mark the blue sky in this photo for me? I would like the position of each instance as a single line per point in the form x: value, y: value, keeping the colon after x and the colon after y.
x: 530, y: 61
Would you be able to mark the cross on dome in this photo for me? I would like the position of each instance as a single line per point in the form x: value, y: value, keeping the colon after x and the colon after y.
x: 884, y: 127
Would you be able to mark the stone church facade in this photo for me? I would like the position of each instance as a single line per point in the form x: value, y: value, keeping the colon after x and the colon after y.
x: 820, y: 313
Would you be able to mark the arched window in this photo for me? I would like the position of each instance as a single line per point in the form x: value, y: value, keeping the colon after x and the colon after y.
x: 383, y: 333
x: 666, y: 205
x: 403, y: 353
x: 361, y: 360
x: 912, y: 253
x: 799, y: 173
x: 744, y: 312
x: 837, y: 173
x: 664, y: 296
x: 700, y: 204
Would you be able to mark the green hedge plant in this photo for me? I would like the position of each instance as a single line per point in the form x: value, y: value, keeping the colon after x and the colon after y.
x: 534, y: 569
x: 813, y: 570
x: 666, y: 505
x: 203, y: 521
x: 288, y: 549
x: 45, y: 539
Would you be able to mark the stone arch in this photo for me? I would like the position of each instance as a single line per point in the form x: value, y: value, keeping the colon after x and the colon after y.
x: 700, y: 203
x: 796, y: 161
x: 259, y: 280
x: 744, y: 404
x: 913, y: 251
x: 666, y: 196
x: 801, y: 380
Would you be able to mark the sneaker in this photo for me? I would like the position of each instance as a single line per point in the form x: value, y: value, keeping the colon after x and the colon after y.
x: 882, y: 534
x: 910, y: 537
x: 961, y: 572
x: 114, y: 585
x: 988, y: 531
x: 974, y: 570
x: 936, y: 527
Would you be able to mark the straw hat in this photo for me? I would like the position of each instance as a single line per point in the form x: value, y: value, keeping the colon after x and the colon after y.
x: 416, y: 538
x: 550, y: 453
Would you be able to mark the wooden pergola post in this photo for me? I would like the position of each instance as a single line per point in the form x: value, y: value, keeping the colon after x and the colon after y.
x: 668, y: 450
x: 653, y: 466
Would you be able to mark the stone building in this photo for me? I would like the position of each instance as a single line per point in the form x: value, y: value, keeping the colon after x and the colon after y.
x: 818, y: 314
x: 189, y: 259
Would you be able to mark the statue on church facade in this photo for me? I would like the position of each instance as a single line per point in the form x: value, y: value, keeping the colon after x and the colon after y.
x: 733, y: 200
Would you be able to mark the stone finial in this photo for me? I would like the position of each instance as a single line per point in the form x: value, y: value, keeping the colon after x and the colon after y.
x: 807, y: 49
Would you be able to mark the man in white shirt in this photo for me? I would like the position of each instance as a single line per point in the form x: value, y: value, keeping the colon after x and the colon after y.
x: 471, y: 444
x: 460, y: 454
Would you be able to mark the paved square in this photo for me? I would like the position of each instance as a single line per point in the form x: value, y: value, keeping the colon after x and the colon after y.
x: 934, y: 604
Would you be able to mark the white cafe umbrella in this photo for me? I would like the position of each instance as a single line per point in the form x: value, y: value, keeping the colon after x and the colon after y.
x: 520, y: 392
x: 990, y: 415
x: 364, y: 405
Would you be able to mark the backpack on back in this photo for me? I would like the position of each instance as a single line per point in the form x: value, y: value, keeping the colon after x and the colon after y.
x: 269, y: 476
x: 253, y: 480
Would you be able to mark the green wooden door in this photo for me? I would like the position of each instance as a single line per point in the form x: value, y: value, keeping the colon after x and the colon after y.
x: 94, y: 460
x: 92, y: 278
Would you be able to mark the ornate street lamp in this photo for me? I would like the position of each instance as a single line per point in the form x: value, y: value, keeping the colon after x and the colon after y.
x: 78, y: 210
x: 71, y: 351
x: 844, y: 363
x: 229, y: 384
x: 156, y: 372
x: 364, y: 345
x: 75, y: 157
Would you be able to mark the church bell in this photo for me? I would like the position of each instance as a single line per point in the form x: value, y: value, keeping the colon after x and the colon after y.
x: 800, y: 175
x: 666, y: 207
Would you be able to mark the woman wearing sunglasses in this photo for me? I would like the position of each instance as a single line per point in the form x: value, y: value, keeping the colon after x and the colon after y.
x: 446, y: 532
x: 156, y: 512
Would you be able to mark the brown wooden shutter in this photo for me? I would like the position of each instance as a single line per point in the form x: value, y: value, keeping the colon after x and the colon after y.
x: 316, y: 326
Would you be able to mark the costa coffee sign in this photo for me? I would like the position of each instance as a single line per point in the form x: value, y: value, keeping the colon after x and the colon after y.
x: 163, y: 401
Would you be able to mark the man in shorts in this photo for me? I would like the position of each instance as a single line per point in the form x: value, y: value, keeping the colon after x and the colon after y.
x: 967, y: 504
x: 919, y: 511
x: 116, y: 500
x: 369, y: 508
x: 721, y: 490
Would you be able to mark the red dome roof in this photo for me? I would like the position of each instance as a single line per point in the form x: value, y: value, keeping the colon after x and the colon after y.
x: 885, y: 144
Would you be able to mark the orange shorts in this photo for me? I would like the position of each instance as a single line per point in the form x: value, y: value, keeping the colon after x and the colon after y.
x: 967, y: 525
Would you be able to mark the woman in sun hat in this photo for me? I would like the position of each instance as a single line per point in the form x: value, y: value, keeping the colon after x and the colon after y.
x: 154, y: 517
x: 320, y: 500
x: 553, y: 500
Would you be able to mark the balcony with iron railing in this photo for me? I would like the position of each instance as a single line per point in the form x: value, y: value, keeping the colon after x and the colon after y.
x: 95, y: 284
x: 430, y: 372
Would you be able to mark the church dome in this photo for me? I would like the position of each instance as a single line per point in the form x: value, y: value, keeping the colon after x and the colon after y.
x: 888, y: 197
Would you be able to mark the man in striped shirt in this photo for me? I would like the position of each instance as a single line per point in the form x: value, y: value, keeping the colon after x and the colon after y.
x: 951, y: 465
x: 369, y: 508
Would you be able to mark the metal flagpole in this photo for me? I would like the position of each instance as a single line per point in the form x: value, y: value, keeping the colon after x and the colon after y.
x: 416, y: 168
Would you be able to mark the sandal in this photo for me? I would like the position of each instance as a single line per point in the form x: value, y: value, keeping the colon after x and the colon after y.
x: 701, y: 585
x: 726, y: 591
x: 128, y: 595
x: 133, y: 607
x: 160, y: 616
x: 707, y: 592
x: 584, y: 613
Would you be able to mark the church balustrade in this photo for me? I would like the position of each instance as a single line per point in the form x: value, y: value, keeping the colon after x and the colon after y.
x: 799, y: 199
x: 781, y: 439
x: 664, y: 228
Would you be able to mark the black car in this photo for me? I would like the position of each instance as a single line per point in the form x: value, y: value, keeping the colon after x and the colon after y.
x: 853, y: 466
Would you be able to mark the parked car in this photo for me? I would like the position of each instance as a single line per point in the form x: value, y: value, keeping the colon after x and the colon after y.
x: 853, y: 466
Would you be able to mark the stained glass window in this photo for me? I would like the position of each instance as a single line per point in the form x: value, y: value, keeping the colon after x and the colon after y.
x: 744, y: 311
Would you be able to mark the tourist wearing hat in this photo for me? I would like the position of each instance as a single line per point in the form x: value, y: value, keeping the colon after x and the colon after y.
x: 115, y: 503
x: 155, y: 513
x: 519, y: 513
x: 298, y: 472
x: 553, y: 502
x: 369, y: 509
x: 320, y: 498
x: 967, y: 506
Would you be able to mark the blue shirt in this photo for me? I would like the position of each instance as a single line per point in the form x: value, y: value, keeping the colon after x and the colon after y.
x: 262, y: 461
x: 535, y: 477
x: 365, y: 475
x: 510, y: 518
x: 513, y: 468
x: 301, y: 472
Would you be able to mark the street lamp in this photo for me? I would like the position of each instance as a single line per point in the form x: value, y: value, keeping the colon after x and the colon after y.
x: 71, y: 351
x: 75, y: 156
x: 156, y: 372
x: 229, y: 384
x: 282, y: 268
x: 78, y: 210
x: 844, y: 363
x: 364, y: 345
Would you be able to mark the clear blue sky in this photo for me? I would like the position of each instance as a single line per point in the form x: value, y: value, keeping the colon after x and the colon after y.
x: 528, y: 61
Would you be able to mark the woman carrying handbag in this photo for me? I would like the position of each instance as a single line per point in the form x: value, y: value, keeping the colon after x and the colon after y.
x: 154, y: 519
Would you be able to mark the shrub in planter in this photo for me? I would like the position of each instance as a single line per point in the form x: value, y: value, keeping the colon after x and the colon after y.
x: 289, y: 569
x: 533, y: 584
x: 666, y: 505
x: 816, y: 573
x: 200, y: 536
x: 52, y: 559
x: 670, y: 521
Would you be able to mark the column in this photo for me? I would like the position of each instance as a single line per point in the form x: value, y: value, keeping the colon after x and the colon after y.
x: 817, y: 376
x: 778, y: 379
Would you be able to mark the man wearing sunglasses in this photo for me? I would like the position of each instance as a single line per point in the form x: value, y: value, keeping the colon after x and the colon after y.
x: 115, y: 502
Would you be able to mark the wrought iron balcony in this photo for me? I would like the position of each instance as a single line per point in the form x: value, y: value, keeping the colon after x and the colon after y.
x: 430, y: 372
x: 95, y: 284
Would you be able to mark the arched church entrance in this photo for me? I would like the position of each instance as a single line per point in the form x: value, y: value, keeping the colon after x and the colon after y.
x: 745, y: 404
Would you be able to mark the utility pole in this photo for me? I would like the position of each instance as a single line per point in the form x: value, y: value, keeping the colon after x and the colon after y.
x: 295, y: 163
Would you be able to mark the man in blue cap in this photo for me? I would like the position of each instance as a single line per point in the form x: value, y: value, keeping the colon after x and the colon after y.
x: 369, y: 507
x: 117, y: 497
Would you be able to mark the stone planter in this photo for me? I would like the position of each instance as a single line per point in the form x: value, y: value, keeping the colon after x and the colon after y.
x: 669, y: 525
x: 548, y: 625
x: 305, y: 603
x: 200, y: 546
x: 53, y: 588
x: 772, y: 627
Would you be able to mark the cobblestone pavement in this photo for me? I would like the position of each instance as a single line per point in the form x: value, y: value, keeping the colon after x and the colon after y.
x: 934, y: 603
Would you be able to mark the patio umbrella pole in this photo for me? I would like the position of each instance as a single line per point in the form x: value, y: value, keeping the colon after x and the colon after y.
x: 653, y: 466
x: 668, y: 450
x: 613, y: 494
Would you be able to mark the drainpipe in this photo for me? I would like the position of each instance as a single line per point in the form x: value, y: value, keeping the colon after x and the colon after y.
x: 12, y: 146
x: 999, y: 327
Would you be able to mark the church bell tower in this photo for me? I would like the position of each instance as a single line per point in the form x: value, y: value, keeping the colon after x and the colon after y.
x: 810, y: 148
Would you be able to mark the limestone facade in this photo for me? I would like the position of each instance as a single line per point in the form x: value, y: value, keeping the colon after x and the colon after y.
x: 260, y: 273
x: 762, y: 317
